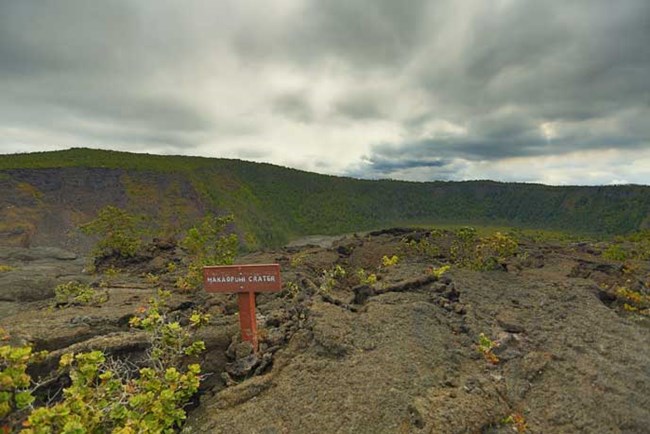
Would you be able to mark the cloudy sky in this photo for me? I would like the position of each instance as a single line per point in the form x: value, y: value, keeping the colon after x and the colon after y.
x: 553, y: 91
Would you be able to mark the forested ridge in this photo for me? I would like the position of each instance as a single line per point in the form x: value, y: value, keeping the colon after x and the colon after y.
x: 273, y: 204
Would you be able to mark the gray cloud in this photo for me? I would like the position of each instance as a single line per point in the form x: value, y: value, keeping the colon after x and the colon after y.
x: 416, y: 90
x: 295, y: 106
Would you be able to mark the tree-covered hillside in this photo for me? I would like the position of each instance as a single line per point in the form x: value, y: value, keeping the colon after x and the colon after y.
x: 273, y: 204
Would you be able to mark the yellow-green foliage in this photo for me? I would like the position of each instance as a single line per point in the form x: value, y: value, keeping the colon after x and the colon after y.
x: 424, y: 247
x: 5, y: 268
x: 366, y: 278
x: 330, y: 278
x: 107, y: 396
x: 169, y: 341
x: 292, y: 289
x: 78, y: 293
x: 481, y: 253
x: 99, y: 400
x: 171, y: 267
x: 517, y: 421
x: 485, y: 346
x: 389, y: 262
x: 117, y: 230
x: 297, y: 259
x: 440, y: 271
x: 615, y: 252
x: 493, y: 249
x: 207, y: 243
x: 15, y: 383
x: 631, y: 247
x: 633, y: 301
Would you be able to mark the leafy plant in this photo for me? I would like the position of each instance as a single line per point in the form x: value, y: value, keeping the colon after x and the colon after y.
x: 330, y: 277
x: 485, y: 346
x: 517, y: 421
x: 15, y: 383
x: 492, y: 250
x: 5, y: 268
x: 292, y: 289
x: 389, y: 262
x: 297, y: 259
x: 424, y: 247
x: 169, y: 341
x: 207, y: 243
x: 440, y: 271
x: 615, y: 252
x: 117, y: 230
x: 78, y: 293
x: 366, y: 278
x: 106, y: 395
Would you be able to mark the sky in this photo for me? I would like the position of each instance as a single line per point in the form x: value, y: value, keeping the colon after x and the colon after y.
x: 553, y: 91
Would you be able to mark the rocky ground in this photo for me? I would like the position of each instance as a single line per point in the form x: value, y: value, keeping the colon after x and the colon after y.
x: 399, y: 355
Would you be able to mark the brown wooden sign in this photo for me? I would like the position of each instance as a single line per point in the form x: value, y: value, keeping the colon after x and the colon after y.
x: 242, y: 278
x: 245, y: 280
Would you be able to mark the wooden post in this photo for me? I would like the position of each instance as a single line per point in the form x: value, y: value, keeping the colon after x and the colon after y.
x: 245, y: 280
x: 247, y: 320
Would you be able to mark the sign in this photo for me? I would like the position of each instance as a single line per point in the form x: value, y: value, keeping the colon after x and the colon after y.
x: 245, y: 280
x: 242, y: 278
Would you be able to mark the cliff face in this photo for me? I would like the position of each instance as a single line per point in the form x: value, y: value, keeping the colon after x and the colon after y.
x: 45, y: 206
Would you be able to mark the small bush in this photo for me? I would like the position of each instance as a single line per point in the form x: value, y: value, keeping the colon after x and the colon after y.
x: 485, y: 346
x: 207, y: 244
x: 440, y: 271
x: 330, y: 278
x: 15, y: 384
x: 517, y: 421
x: 366, y: 278
x: 106, y: 395
x: 493, y: 250
x: 78, y: 293
x: 615, y: 252
x: 389, y: 262
x: 117, y: 230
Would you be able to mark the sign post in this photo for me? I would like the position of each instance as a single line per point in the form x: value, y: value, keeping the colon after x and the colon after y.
x: 245, y: 280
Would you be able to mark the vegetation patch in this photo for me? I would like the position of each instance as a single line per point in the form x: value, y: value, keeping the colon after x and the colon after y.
x: 78, y: 293
x: 485, y: 346
x: 117, y: 231
x: 465, y: 248
x: 207, y: 243
x: 106, y: 394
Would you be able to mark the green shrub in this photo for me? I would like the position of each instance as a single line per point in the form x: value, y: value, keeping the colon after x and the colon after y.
x: 485, y: 347
x: 117, y: 230
x: 78, y: 293
x: 366, y: 278
x: 389, y: 262
x: 424, y: 247
x: 15, y: 384
x: 615, y: 252
x: 492, y: 250
x: 106, y: 395
x: 207, y: 243
x: 330, y: 278
x: 440, y: 271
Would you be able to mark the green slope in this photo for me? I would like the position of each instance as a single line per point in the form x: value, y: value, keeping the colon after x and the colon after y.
x: 273, y: 204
